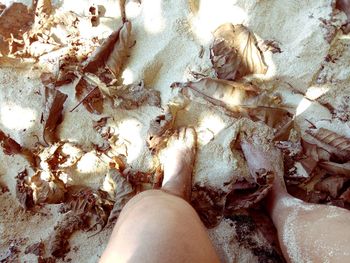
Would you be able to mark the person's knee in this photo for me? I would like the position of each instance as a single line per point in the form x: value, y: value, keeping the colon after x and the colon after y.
x: 160, y: 203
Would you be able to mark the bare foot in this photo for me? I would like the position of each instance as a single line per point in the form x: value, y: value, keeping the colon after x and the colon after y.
x: 177, y: 160
x: 271, y: 160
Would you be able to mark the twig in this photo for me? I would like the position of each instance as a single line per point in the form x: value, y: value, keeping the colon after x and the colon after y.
x: 84, y: 99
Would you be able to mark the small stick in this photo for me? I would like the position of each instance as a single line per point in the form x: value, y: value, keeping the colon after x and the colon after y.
x: 83, y: 99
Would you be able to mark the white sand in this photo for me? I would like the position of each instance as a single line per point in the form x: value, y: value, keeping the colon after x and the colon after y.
x: 169, y: 36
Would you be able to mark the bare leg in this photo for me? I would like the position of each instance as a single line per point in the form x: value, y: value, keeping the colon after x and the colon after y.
x: 159, y: 225
x: 307, y: 232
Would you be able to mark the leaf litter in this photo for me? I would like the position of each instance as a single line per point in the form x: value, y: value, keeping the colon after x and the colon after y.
x: 234, y: 54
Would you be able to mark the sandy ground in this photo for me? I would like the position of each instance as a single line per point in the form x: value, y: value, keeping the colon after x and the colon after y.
x: 169, y: 38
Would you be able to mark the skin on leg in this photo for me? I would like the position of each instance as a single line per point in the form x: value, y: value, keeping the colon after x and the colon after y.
x: 307, y: 232
x: 159, y: 225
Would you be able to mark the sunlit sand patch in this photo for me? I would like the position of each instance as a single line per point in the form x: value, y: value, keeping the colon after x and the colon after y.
x: 154, y: 21
x: 17, y: 117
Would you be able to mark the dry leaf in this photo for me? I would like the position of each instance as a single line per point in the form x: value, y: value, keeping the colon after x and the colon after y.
x: 58, y: 245
x: 274, y: 117
x: 120, y: 51
x: 331, y: 185
x: 209, y: 204
x: 90, y: 95
x: 346, y: 196
x: 336, y: 168
x: 123, y: 193
x: 159, y: 130
x: 15, y: 20
x: 337, y: 145
x: 239, y: 38
x: 133, y: 96
x: 112, y: 52
x: 55, y: 116
x: 343, y: 5
x: 24, y: 193
x: 51, y: 191
x: 283, y: 133
x: 245, y: 194
x: 228, y: 94
x: 11, y: 147
x: 37, y: 249
x: 225, y: 59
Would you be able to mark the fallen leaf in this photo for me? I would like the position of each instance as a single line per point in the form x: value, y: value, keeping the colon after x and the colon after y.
x: 112, y: 51
x: 336, y: 168
x: 209, y: 204
x: 123, y: 192
x: 24, y: 193
x: 270, y: 45
x: 228, y: 94
x: 274, y: 117
x: 11, y: 147
x: 337, y: 145
x: 120, y: 51
x: 331, y: 185
x: 245, y: 194
x: 225, y: 59
x: 55, y: 116
x: 15, y: 20
x: 58, y: 244
x: 346, y: 196
x: 159, y: 130
x: 239, y: 38
x: 343, y: 5
x: 50, y: 191
x: 283, y: 133
x: 90, y: 96
x: 37, y: 249
x: 135, y: 95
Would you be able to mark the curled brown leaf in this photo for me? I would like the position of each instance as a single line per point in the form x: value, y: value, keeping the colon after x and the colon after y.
x: 336, y: 168
x: 112, y: 52
x: 248, y: 60
x: 337, y: 145
x: 120, y: 51
x: 89, y: 95
x: 55, y: 116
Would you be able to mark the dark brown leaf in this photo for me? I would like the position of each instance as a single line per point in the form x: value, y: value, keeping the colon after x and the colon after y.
x: 346, y: 196
x: 344, y: 5
x: 240, y: 39
x: 336, y: 168
x: 209, y: 204
x: 337, y: 145
x: 331, y: 185
x: 283, y: 133
x: 37, y: 249
x: 55, y: 116
x: 159, y: 131
x: 90, y: 96
x: 58, y: 245
x: 24, y: 193
x: 11, y: 147
x: 245, y: 194
x: 15, y: 20
x: 113, y: 51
